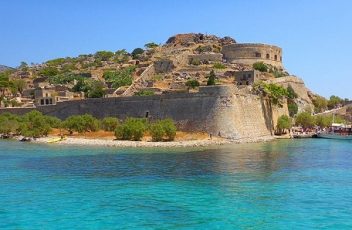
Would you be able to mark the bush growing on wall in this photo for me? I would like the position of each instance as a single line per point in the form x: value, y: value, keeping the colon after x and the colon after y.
x: 292, y: 108
x: 219, y: 65
x: 211, y: 78
x: 192, y: 84
x: 260, y: 66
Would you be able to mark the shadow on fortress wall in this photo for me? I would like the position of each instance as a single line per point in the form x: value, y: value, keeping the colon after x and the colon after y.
x: 268, y: 114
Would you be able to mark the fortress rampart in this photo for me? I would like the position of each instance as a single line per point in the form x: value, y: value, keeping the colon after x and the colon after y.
x: 249, y: 53
x: 219, y: 110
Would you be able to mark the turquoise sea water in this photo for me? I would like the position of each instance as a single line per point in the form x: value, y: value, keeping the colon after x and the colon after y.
x: 301, y: 184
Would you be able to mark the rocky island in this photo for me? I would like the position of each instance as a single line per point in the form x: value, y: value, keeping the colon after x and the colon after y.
x: 205, y: 84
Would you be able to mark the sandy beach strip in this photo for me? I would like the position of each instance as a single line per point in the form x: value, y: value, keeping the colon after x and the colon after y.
x: 119, y: 143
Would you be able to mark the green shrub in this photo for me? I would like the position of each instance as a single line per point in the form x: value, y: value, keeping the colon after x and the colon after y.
x: 219, y: 65
x: 104, y: 55
x: 195, y: 62
x: 120, y: 77
x: 323, y: 121
x: 65, y: 78
x: 54, y: 122
x: 9, y: 124
x: 276, y: 93
x: 92, y: 88
x: 305, y: 119
x: 320, y: 104
x: 90, y: 123
x: 292, y: 108
x: 334, y: 101
x: 34, y: 124
x: 157, y: 132
x: 211, y: 78
x: 31, y: 124
x: 192, y: 84
x: 163, y: 129
x: 131, y: 129
x: 151, y: 45
x: 74, y: 123
x: 283, y: 122
x: 49, y: 71
x: 109, y: 123
x: 136, y: 53
x: 291, y: 94
x: 169, y: 128
x: 81, y: 123
x: 121, y: 56
x: 260, y: 66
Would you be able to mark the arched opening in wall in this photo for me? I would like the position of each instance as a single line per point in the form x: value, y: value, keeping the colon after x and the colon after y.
x: 47, y: 101
x: 280, y: 58
x: 147, y: 114
x: 257, y: 54
x: 275, y: 57
x: 267, y: 56
x: 247, y: 82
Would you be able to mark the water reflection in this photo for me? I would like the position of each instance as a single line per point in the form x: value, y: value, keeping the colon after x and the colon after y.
x: 261, y: 159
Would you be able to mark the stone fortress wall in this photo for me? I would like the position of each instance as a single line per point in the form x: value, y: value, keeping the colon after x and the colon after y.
x: 217, y: 110
x: 249, y: 53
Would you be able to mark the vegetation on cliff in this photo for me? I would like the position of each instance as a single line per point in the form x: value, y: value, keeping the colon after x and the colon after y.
x: 265, y: 68
x: 120, y: 77
x: 275, y: 93
x: 211, y: 78
x: 192, y: 84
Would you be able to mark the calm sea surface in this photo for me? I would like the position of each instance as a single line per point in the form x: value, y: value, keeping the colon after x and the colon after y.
x: 301, y: 184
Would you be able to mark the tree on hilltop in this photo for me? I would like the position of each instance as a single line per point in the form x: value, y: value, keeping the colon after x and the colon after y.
x: 150, y: 45
x: 104, y: 55
x: 137, y: 52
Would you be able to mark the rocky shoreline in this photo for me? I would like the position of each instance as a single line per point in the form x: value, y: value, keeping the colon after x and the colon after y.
x: 120, y: 143
x: 142, y: 144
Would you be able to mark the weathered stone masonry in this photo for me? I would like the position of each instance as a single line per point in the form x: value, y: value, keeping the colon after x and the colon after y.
x: 248, y: 53
x: 218, y: 110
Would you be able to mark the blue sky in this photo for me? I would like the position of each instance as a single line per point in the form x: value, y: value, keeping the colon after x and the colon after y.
x: 315, y: 35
